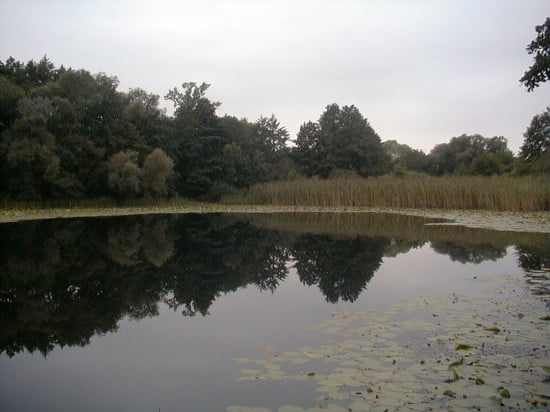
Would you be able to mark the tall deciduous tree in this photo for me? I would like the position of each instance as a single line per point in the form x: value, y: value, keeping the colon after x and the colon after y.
x: 269, y: 140
x: 269, y: 134
x: 29, y: 75
x: 539, y: 72
x: 9, y: 95
x: 403, y: 156
x: 307, y: 152
x: 199, y: 139
x: 124, y: 174
x: 149, y: 121
x: 486, y: 164
x: 535, y: 151
x: 458, y: 155
x: 342, y: 139
x: 156, y: 172
x: 28, y: 150
x: 537, y: 137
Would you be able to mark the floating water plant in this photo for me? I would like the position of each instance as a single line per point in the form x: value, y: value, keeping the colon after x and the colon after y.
x: 494, y: 329
x: 463, y: 346
x: 401, y: 357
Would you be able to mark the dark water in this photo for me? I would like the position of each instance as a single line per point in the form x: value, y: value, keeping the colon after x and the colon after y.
x: 146, y: 313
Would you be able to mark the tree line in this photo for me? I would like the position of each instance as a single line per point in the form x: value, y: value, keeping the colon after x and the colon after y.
x: 67, y: 134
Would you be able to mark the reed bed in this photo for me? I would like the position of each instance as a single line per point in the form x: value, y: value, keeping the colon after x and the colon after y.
x: 500, y: 193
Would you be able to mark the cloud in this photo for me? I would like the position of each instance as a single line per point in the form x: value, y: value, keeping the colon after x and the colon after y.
x: 421, y: 71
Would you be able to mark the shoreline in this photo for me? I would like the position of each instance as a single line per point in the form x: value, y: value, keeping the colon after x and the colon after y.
x: 538, y: 222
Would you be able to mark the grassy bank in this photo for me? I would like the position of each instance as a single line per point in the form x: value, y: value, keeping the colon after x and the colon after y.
x: 500, y: 193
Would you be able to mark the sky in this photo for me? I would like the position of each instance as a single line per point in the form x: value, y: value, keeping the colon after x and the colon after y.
x: 420, y: 71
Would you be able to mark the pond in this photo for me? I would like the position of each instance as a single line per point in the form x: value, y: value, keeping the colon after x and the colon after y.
x: 272, y: 312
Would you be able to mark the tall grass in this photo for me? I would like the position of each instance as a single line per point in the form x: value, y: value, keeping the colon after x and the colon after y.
x: 505, y: 193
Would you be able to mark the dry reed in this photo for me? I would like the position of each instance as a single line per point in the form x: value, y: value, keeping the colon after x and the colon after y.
x: 504, y: 193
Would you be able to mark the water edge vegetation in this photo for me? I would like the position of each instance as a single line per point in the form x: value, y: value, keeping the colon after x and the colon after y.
x: 504, y: 193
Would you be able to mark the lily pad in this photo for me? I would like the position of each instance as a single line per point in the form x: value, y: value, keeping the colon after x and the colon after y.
x: 457, y: 363
x: 455, y: 374
x: 463, y: 346
x: 494, y: 329
x: 449, y: 393
x: 399, y: 358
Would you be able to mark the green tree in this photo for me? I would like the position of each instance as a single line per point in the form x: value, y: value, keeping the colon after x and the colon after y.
x: 124, y: 174
x: 9, y: 95
x: 404, y: 157
x: 106, y: 121
x: 342, y: 139
x: 91, y: 123
x: 28, y: 150
x: 156, y: 173
x: 234, y: 165
x: 30, y: 75
x: 198, y: 137
x: 79, y: 159
x: 85, y: 121
x: 535, y: 151
x: 539, y: 72
x: 457, y: 155
x: 307, y: 153
x: 269, y: 139
x: 242, y: 161
x: 537, y: 137
x: 269, y: 134
x: 150, y: 121
x: 487, y: 164
x: 498, y: 146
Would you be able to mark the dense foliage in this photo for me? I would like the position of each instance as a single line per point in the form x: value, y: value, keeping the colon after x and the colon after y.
x: 68, y: 134
x: 342, y: 139
x: 535, y: 151
x: 539, y: 72
x: 472, y: 155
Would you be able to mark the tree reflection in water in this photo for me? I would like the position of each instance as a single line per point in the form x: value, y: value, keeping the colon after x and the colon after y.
x: 64, y: 281
x: 340, y: 267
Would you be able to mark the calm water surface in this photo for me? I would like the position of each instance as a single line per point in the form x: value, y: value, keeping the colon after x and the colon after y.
x: 147, y: 313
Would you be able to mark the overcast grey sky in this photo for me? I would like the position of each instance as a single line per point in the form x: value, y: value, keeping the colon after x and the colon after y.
x: 421, y: 72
